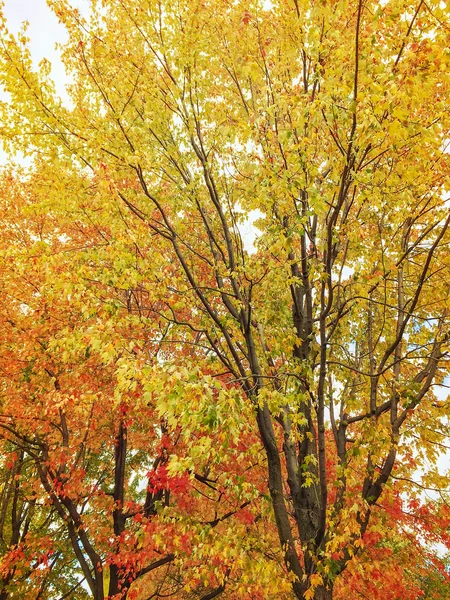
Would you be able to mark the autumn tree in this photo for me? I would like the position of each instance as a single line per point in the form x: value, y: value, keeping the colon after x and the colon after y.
x: 327, y: 123
x: 89, y: 506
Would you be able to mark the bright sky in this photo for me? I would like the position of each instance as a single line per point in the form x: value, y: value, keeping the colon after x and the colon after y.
x: 44, y: 31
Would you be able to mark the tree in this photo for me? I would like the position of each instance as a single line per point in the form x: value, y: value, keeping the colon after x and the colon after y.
x: 96, y: 510
x: 75, y: 348
x: 328, y: 122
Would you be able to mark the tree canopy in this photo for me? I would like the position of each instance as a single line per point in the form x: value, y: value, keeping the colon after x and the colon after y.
x: 190, y: 410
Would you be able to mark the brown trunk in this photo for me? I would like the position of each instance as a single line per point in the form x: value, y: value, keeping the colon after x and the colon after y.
x: 4, y: 594
x: 322, y: 593
x: 116, y: 582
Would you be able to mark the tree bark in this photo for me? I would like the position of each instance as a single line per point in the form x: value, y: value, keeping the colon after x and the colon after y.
x: 323, y: 593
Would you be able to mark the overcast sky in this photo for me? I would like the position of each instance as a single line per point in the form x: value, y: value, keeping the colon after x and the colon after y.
x: 44, y: 31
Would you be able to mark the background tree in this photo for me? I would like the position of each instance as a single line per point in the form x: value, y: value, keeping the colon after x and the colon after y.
x: 329, y: 119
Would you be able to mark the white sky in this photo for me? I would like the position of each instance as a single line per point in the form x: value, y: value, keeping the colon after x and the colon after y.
x: 44, y: 31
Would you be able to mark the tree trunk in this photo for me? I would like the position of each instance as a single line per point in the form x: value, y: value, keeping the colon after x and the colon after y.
x: 3, y: 593
x: 322, y: 593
